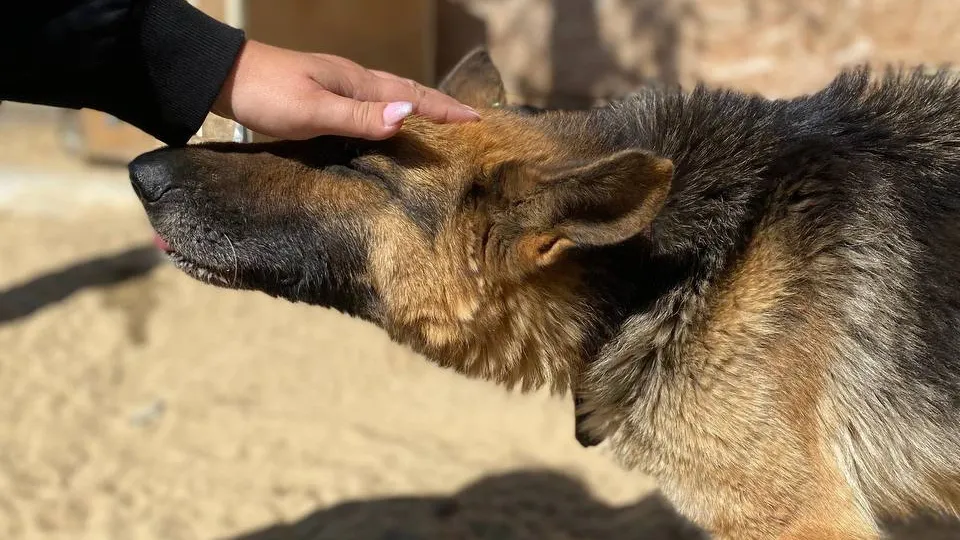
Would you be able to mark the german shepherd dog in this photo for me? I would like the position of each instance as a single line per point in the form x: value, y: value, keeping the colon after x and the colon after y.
x: 755, y: 301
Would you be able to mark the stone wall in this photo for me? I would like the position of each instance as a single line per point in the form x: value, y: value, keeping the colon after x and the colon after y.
x: 568, y: 52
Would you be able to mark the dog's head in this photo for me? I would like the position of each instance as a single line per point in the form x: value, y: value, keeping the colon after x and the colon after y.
x: 469, y: 242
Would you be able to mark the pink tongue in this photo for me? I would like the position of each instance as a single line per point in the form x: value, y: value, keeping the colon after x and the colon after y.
x: 161, y: 243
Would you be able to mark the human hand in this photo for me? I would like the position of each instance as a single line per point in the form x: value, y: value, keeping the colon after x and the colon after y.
x: 295, y: 95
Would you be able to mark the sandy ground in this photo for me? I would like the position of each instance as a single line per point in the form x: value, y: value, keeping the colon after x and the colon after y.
x: 140, y: 404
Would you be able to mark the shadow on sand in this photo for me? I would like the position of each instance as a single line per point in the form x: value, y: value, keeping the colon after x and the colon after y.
x: 534, y: 505
x: 22, y: 300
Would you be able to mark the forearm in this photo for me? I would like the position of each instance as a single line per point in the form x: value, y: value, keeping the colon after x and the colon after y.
x: 157, y: 64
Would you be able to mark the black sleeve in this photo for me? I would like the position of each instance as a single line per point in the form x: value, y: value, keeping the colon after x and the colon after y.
x: 156, y: 64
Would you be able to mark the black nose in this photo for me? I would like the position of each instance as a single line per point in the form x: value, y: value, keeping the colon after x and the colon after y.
x: 152, y: 175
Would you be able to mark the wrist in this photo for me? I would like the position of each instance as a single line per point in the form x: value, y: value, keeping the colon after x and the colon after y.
x: 223, y: 104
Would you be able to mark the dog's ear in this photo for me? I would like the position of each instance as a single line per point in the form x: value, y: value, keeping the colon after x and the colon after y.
x: 475, y: 81
x: 604, y: 202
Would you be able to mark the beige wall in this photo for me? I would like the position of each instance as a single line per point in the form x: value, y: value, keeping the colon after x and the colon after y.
x: 394, y: 35
x: 566, y: 51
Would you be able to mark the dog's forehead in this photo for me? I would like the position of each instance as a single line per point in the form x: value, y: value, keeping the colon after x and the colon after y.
x: 498, y: 136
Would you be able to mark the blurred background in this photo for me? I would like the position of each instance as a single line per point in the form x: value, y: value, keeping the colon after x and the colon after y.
x: 139, y: 404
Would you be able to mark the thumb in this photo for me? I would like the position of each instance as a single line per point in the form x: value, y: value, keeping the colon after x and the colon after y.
x: 362, y: 119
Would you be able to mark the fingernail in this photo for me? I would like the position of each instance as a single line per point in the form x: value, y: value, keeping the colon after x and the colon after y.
x: 471, y: 111
x: 396, y: 112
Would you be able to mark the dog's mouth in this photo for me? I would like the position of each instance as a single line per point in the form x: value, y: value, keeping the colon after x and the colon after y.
x: 191, y: 267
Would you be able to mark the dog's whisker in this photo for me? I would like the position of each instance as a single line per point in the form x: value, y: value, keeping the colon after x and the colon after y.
x: 236, y: 261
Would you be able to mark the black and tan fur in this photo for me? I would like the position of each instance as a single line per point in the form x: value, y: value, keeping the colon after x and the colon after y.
x: 755, y: 301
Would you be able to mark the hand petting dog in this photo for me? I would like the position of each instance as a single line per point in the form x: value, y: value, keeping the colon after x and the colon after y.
x: 294, y: 95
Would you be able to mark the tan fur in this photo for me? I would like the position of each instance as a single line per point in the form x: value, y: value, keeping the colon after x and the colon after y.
x: 451, y: 307
x: 739, y: 417
x: 446, y: 310
x: 498, y: 138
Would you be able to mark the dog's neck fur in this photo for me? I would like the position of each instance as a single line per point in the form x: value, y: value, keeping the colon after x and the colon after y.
x: 655, y: 289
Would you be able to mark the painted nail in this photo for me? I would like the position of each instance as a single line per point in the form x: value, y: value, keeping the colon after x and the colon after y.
x: 396, y: 112
x: 471, y: 111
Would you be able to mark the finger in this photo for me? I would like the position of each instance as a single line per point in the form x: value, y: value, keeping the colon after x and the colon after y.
x: 339, y: 75
x: 350, y: 80
x: 387, y: 75
x: 430, y: 103
x: 374, y: 120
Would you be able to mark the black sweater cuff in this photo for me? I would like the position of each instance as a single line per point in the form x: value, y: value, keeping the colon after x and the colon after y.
x: 187, y: 55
